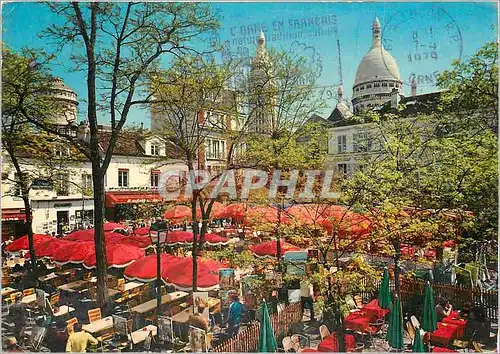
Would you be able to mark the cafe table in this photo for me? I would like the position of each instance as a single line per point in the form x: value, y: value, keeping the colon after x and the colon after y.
x: 131, y: 285
x: 73, y: 285
x: 151, y: 304
x: 29, y: 299
x: 374, y: 311
x: 48, y: 277
x: 454, y: 319
x: 183, y: 316
x: 331, y: 343
x: 357, y: 321
x: 7, y: 291
x: 141, y: 334
x: 99, y: 325
x: 444, y: 334
x: 63, y: 310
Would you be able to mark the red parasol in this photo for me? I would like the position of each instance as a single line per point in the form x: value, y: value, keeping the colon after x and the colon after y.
x: 117, y: 256
x: 22, y: 244
x: 234, y: 211
x: 265, y: 214
x: 144, y: 269
x: 142, y: 231
x: 270, y: 248
x: 74, y: 254
x: 178, y: 213
x: 88, y: 236
x: 139, y: 241
x: 186, y: 237
x: 180, y: 274
x: 48, y: 248
x: 110, y: 226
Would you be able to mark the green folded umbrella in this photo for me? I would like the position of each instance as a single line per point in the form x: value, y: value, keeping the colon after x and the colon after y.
x: 267, y: 341
x: 418, y: 345
x: 395, y: 331
x: 384, y: 293
x: 429, y: 319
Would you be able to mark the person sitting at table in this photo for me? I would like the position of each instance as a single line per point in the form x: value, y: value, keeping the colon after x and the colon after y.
x: 78, y: 340
x: 198, y: 320
x: 443, y: 309
x: 17, y: 315
x: 464, y: 313
x: 306, y: 296
x: 57, y: 337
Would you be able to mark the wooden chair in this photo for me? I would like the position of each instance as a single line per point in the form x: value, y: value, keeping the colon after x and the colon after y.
x: 477, y: 348
x: 13, y: 296
x: 288, y: 345
x: 324, y: 331
x: 93, y: 293
x: 54, y: 299
x: 301, y: 341
x: 411, y: 331
x: 70, y: 323
x: 351, y: 304
x: 120, y: 284
x: 358, y: 301
x: 29, y: 291
x: 105, y: 337
x: 94, y: 315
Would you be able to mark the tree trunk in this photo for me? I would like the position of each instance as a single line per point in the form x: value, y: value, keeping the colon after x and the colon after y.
x: 158, y: 274
x: 397, y: 256
x: 29, y: 231
x: 194, y: 251
x: 278, y: 240
x: 99, y: 240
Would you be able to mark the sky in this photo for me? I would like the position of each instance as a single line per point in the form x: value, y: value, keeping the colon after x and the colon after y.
x: 424, y: 38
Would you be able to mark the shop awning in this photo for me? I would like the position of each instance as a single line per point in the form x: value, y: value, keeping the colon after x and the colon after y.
x: 114, y: 198
x: 13, y: 216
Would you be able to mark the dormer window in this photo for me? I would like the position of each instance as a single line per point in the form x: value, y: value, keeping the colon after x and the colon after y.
x: 155, y: 150
x: 384, y: 84
x: 391, y: 84
x: 377, y: 84
x: 369, y: 86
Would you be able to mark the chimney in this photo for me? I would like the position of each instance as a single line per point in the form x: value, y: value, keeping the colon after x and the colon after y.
x: 394, y: 98
x: 340, y: 93
x: 413, y: 87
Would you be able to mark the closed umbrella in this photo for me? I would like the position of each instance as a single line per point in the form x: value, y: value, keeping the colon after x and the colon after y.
x: 395, y: 331
x: 384, y: 293
x: 429, y: 323
x: 418, y: 345
x: 267, y: 341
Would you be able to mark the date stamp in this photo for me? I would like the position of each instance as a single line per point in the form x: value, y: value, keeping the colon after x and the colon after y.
x: 424, y: 42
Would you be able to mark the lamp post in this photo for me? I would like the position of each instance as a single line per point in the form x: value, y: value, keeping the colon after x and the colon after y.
x: 159, y: 226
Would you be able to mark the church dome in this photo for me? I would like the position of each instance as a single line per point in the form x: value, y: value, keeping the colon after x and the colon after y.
x: 377, y: 64
x: 377, y: 75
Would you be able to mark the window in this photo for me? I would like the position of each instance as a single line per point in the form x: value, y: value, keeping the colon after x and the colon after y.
x: 362, y: 142
x: 122, y: 178
x: 391, y: 84
x: 215, y: 149
x: 86, y: 181
x: 155, y: 150
x: 342, y: 144
x: 155, y: 179
x: 63, y: 184
x: 377, y: 84
x: 342, y: 168
x: 17, y: 187
x: 384, y: 84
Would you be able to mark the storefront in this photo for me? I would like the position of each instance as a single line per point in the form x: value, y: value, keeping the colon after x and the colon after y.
x: 13, y: 223
x: 61, y: 215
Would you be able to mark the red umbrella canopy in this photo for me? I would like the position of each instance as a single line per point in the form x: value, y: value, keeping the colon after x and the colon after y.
x: 110, y: 226
x: 180, y: 274
x: 74, y: 254
x: 235, y: 211
x: 144, y: 269
x: 142, y: 231
x: 186, y: 237
x: 264, y: 214
x: 139, y: 241
x: 88, y: 236
x: 348, y: 224
x: 22, y: 244
x: 49, y: 248
x: 308, y: 213
x: 178, y: 213
x: 270, y: 248
x: 118, y: 255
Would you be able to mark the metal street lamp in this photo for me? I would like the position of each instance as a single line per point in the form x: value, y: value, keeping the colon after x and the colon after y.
x: 159, y: 226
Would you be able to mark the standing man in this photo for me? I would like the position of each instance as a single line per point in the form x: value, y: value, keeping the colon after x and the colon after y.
x: 18, y: 314
x: 78, y: 340
x: 234, y: 315
x: 306, y: 296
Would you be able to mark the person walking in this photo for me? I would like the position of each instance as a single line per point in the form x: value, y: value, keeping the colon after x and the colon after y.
x: 234, y: 316
x: 307, y: 296
x: 18, y: 314
x: 78, y: 340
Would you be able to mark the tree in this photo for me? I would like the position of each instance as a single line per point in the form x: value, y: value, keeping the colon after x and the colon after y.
x: 118, y: 46
x: 31, y: 153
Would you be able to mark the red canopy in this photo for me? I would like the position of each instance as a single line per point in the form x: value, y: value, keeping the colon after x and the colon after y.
x: 144, y: 269
x: 348, y: 224
x: 49, y: 248
x: 74, y: 254
x: 142, y: 231
x: 270, y: 248
x: 22, y: 244
x: 235, y: 211
x: 139, y: 241
x: 186, y: 237
x: 80, y: 235
x: 309, y: 213
x: 180, y: 274
x: 117, y: 256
